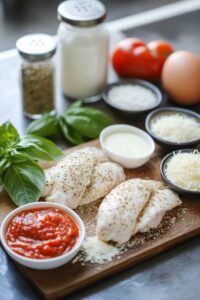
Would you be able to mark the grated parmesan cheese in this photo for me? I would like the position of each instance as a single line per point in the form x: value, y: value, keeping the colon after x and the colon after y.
x: 183, y: 169
x: 96, y: 251
x: 176, y: 127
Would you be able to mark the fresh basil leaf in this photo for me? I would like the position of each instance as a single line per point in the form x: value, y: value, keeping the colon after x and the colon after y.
x: 85, y: 125
x: 88, y: 121
x: 76, y: 104
x: 94, y: 114
x: 39, y: 148
x: 69, y: 133
x: 47, y: 125
x: 20, y: 157
x: 23, y: 181
x: 4, y: 164
x: 9, y: 136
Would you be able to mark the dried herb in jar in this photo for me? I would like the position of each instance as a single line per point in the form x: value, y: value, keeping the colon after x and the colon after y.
x: 37, y: 73
x: 38, y: 88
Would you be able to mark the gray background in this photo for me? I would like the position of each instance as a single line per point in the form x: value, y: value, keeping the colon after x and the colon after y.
x: 20, y: 17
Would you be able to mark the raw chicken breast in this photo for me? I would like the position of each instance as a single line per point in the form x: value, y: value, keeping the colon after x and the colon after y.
x: 118, y: 213
x: 133, y: 206
x: 67, y: 181
x: 160, y: 202
x: 105, y: 177
x: 154, y: 185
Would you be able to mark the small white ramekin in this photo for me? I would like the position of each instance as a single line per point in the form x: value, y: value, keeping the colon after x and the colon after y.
x: 127, y: 162
x: 49, y: 263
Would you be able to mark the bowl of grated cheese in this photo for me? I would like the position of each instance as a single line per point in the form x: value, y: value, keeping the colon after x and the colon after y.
x: 180, y: 170
x: 132, y: 97
x: 174, y: 127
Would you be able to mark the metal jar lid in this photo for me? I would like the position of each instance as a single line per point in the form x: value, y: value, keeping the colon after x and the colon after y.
x: 36, y: 46
x: 82, y: 13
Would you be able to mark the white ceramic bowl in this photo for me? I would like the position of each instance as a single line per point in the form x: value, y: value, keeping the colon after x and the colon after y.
x: 128, y: 162
x: 49, y: 263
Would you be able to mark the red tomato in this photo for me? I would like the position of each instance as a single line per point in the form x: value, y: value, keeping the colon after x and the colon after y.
x: 122, y: 56
x: 160, y: 50
x: 133, y: 58
x: 143, y: 64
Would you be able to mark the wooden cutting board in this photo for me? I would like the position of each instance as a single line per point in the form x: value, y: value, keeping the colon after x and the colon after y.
x: 62, y: 281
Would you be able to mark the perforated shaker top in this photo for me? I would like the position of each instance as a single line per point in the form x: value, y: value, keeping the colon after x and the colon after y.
x: 36, y: 46
x: 82, y: 13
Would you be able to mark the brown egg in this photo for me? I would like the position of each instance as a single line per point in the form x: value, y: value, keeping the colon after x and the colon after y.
x: 181, y: 77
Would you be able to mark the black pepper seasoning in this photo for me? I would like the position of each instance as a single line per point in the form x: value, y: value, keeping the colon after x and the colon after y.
x: 37, y: 74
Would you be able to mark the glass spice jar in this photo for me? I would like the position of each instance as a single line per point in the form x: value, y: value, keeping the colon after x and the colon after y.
x: 83, y: 49
x: 37, y: 74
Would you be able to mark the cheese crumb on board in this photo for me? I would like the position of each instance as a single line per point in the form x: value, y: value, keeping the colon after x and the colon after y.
x: 183, y: 170
x: 176, y: 127
x: 96, y: 251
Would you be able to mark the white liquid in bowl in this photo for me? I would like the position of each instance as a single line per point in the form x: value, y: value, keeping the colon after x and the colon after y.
x: 126, y: 144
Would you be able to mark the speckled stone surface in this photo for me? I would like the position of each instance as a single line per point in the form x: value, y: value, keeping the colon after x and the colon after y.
x: 173, y: 275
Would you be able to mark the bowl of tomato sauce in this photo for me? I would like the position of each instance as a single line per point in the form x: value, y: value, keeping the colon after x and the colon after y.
x: 42, y: 235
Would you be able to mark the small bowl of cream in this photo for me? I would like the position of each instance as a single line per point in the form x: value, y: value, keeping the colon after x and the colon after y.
x: 127, y: 145
x: 132, y: 97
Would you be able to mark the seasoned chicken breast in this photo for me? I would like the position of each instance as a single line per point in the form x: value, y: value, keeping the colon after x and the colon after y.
x: 118, y: 213
x: 160, y: 202
x: 81, y: 177
x: 105, y: 177
x: 67, y: 181
x: 135, y: 205
x: 154, y: 185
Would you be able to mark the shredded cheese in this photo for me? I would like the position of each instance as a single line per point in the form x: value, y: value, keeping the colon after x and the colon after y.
x: 176, y: 127
x: 183, y: 169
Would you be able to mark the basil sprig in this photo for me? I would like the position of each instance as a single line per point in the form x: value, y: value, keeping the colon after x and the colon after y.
x: 73, y: 136
x: 20, y: 174
x: 45, y: 126
x: 77, y: 125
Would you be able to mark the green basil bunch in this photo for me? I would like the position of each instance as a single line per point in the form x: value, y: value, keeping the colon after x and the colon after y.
x: 20, y: 174
x: 77, y: 125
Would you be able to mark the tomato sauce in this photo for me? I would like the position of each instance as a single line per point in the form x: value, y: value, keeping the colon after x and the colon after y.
x: 42, y: 233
